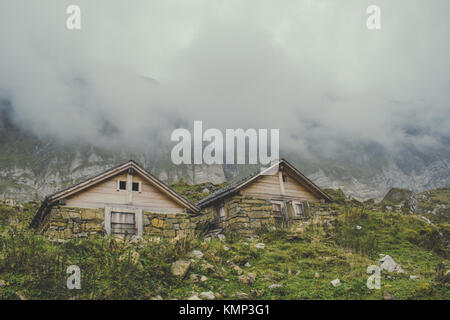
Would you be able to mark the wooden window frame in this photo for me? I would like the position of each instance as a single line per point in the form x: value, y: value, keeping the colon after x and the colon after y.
x: 138, y: 218
x: 222, y: 213
x: 139, y: 186
x: 118, y: 185
x: 296, y: 211
x: 281, y: 204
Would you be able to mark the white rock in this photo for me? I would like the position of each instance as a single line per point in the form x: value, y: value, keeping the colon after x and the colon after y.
x: 180, y: 268
x: 247, y: 264
x: 221, y: 237
x: 336, y: 283
x: 388, y: 264
x: 358, y: 227
x: 226, y: 248
x: 194, y: 297
x: 208, y: 295
x: 203, y: 278
x: 196, y: 254
x: 241, y: 295
x: 413, y: 277
x: 260, y: 245
x: 275, y: 285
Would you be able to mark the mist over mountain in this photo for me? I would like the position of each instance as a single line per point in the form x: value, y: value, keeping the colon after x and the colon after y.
x: 32, y: 168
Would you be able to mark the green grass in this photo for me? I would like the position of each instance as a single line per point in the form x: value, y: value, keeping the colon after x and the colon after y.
x: 113, y: 269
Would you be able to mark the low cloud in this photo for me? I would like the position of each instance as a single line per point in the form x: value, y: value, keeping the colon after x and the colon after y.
x: 138, y: 70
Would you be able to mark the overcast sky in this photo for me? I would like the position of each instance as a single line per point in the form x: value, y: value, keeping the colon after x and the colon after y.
x: 139, y: 69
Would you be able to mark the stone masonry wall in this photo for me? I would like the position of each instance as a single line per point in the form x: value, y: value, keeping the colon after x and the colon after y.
x: 245, y: 215
x: 67, y: 223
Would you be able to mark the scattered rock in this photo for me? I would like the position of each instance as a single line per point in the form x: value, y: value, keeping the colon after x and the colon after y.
x: 226, y: 248
x: 260, y: 245
x: 158, y: 297
x: 180, y: 268
x: 194, y: 297
x: 388, y: 296
x: 208, y: 267
x: 317, y: 275
x: 238, y: 269
x: 358, y: 227
x: 336, y: 283
x: 425, y: 219
x: 2, y: 283
x: 241, y: 295
x: 275, y: 285
x: 221, y: 237
x: 196, y: 254
x: 247, y: 264
x: 205, y: 190
x: 208, y: 295
x: 20, y: 295
x: 252, y: 276
x: 203, y: 278
x: 247, y: 279
x: 193, y: 277
x: 413, y: 277
x: 388, y: 264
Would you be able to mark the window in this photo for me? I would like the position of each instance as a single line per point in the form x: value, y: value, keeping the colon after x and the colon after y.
x: 122, y: 185
x: 222, y: 214
x: 277, y: 208
x: 298, y: 209
x: 136, y: 186
x: 123, y: 223
x: 284, y: 178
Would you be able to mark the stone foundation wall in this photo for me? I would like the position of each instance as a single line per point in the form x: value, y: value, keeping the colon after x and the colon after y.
x: 246, y: 215
x: 68, y: 223
x: 174, y: 225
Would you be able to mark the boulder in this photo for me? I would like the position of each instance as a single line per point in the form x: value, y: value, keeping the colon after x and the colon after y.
x: 180, y: 268
x: 208, y: 295
x: 196, y: 254
x: 388, y: 296
x: 241, y: 295
x: 203, y: 278
x: 260, y: 245
x: 336, y: 283
x: 388, y: 264
x: 193, y: 277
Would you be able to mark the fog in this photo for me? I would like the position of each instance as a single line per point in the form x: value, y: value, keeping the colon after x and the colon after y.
x: 139, y: 69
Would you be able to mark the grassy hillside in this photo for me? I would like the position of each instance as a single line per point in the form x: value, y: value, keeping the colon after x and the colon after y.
x: 294, y: 264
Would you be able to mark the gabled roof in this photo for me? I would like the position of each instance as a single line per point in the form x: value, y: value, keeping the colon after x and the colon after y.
x: 238, y: 185
x: 158, y: 184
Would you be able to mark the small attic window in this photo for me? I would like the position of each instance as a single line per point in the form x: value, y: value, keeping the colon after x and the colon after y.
x: 136, y: 186
x: 122, y: 185
x: 284, y: 178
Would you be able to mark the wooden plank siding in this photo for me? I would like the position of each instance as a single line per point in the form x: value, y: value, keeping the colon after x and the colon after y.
x: 268, y: 187
x: 150, y: 198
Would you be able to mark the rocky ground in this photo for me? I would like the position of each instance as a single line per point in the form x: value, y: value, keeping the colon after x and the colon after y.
x: 326, y: 258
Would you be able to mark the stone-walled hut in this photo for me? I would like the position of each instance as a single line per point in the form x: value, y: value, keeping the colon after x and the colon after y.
x: 125, y: 200
x: 278, y: 195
